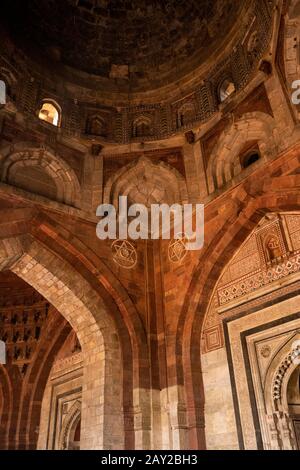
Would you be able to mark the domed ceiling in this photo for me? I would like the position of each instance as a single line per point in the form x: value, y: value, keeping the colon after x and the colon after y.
x: 146, y: 43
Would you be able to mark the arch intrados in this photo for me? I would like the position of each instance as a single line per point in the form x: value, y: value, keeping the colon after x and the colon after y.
x: 48, y: 276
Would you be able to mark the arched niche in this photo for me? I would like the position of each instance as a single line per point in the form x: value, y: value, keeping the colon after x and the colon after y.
x: 50, y: 112
x: 102, y: 421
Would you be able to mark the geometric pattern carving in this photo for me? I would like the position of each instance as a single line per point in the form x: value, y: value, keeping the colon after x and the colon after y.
x: 213, y: 339
x: 177, y: 248
x: 124, y: 254
x: 266, y: 352
x: 271, y: 241
x: 282, y: 370
x: 293, y: 226
x: 145, y: 182
x: 258, y: 280
x: 72, y: 417
x: 249, y: 271
x: 20, y: 328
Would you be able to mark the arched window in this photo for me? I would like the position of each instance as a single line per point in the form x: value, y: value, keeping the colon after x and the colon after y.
x: 96, y: 126
x: 142, y: 127
x: 71, y: 431
x: 227, y: 88
x: 186, y: 115
x: 51, y: 113
x: 253, y: 43
x: 250, y: 159
x: 74, y: 439
x: 293, y: 399
x: 273, y: 249
x: 7, y: 86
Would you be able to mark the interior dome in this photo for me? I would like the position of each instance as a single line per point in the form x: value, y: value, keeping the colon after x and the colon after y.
x: 144, y: 43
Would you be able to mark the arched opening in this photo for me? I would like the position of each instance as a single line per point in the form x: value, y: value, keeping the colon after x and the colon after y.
x: 35, y: 179
x: 146, y: 183
x: 50, y: 113
x: 41, y: 172
x: 142, y: 127
x: 272, y: 248
x: 71, y: 431
x: 34, y: 333
x: 249, y: 159
x: 226, y: 162
x: 226, y: 89
x: 96, y: 126
x: 74, y: 443
x: 102, y: 419
x: 7, y: 86
x: 249, y: 342
x: 293, y: 399
x: 186, y: 115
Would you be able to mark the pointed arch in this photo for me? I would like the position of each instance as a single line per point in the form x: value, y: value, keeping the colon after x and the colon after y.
x: 70, y: 421
x: 164, y: 183
x: 128, y: 332
x: 22, y: 156
x: 224, y: 163
x: 249, y: 208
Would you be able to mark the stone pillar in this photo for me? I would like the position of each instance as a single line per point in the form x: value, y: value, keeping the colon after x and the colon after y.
x: 195, y: 172
x: 92, y: 192
x: 178, y: 418
x: 282, y: 113
x: 142, y: 419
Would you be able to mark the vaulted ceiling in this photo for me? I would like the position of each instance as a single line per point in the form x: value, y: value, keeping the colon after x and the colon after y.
x: 134, y: 40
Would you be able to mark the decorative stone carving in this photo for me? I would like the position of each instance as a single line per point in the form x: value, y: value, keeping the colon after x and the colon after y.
x: 177, y: 249
x: 224, y: 161
x: 21, y: 327
x: 96, y: 126
x: 124, y: 254
x: 186, y: 114
x: 167, y: 117
x: 266, y: 352
x: 272, y: 245
x: 256, y: 281
x: 70, y: 421
x: 142, y: 127
x: 249, y: 271
x: 271, y: 241
x: 291, y: 358
x: 145, y: 182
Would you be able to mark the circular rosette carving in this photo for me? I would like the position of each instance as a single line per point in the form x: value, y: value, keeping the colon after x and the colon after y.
x: 178, y: 249
x: 266, y: 352
x: 124, y: 254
